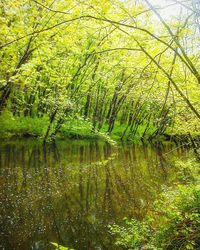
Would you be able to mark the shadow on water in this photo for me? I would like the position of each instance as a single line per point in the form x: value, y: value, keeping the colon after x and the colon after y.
x: 70, y: 192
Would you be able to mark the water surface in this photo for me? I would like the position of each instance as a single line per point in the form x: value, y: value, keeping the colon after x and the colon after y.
x: 70, y: 192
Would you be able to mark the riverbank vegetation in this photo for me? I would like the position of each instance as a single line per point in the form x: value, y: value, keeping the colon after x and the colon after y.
x: 172, y: 223
x: 87, y: 69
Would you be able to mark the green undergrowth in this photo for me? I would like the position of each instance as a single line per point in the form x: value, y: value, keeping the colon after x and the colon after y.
x: 173, y: 222
x: 129, y: 136
x: 22, y: 126
x: 77, y: 129
x: 73, y: 128
x: 17, y: 126
x: 60, y: 247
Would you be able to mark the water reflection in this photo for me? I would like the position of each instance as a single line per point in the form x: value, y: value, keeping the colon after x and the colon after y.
x: 70, y: 192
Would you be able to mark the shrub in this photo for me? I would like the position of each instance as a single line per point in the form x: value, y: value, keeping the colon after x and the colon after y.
x: 174, y: 223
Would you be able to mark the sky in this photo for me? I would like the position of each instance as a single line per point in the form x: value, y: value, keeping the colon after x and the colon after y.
x: 173, y: 10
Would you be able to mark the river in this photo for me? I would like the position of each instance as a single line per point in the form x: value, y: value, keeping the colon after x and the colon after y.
x: 70, y: 192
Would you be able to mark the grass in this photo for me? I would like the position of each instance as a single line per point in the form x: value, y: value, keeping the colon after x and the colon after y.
x: 119, y: 130
x: 15, y: 126
x: 22, y: 126
x: 77, y: 129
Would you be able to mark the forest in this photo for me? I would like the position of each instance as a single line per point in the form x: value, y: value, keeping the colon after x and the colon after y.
x: 111, y: 83
x: 115, y: 68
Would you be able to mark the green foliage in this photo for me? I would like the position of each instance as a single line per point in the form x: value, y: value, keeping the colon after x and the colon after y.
x: 77, y: 128
x: 21, y: 126
x: 173, y: 224
x: 36, y: 127
x: 134, y: 235
x: 66, y: 69
x: 59, y: 247
x: 188, y: 171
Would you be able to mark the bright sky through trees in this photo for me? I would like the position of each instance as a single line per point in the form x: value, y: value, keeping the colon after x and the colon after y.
x: 169, y: 8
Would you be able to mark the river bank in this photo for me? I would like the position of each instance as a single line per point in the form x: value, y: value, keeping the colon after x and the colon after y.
x: 26, y: 127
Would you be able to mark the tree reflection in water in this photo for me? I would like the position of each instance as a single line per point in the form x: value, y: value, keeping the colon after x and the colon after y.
x: 70, y: 192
